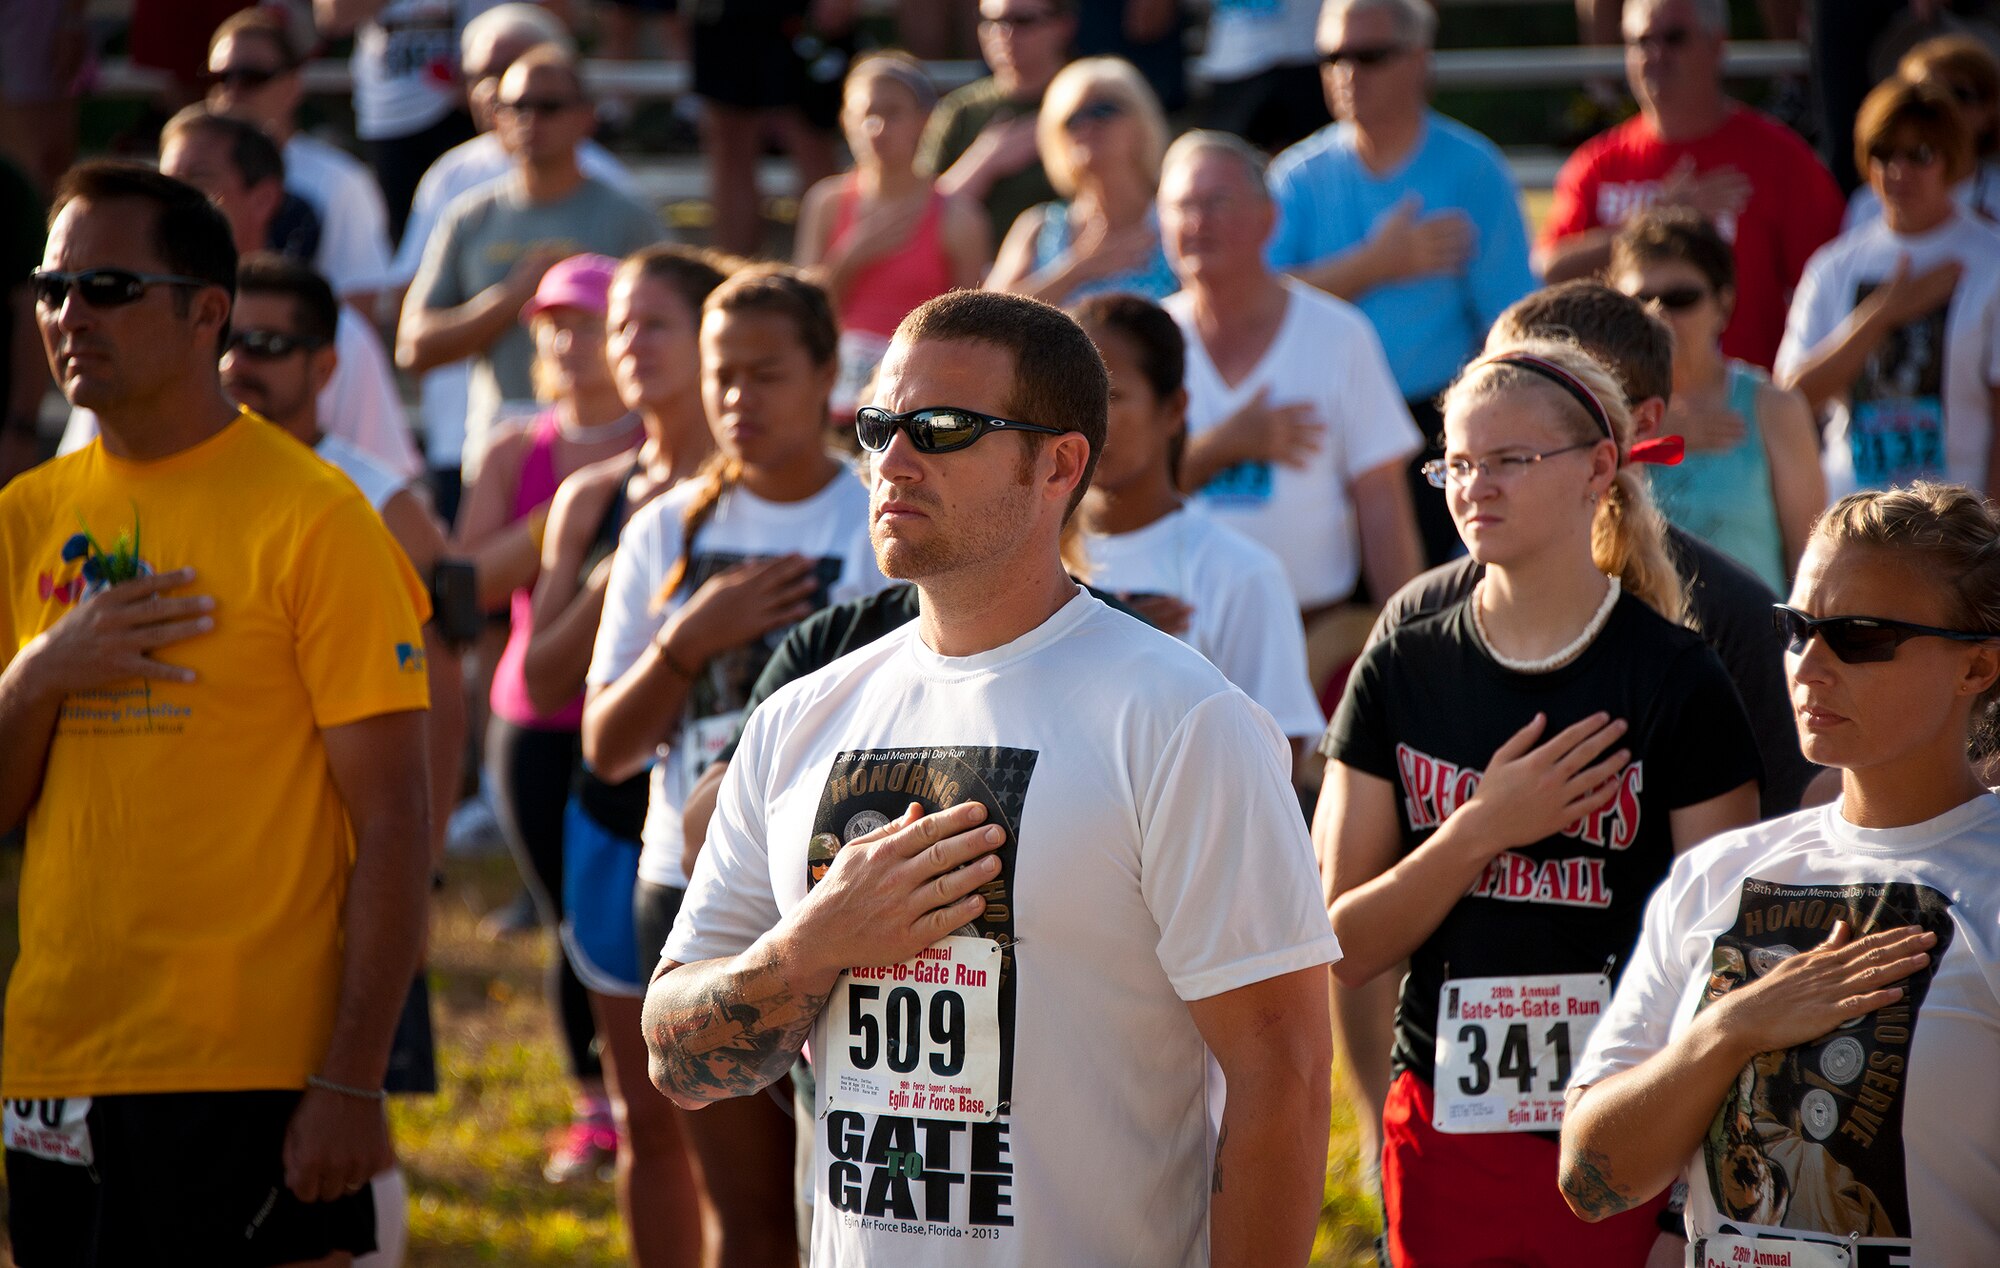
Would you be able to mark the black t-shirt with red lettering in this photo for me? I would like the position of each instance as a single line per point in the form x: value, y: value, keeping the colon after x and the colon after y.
x: 1425, y: 710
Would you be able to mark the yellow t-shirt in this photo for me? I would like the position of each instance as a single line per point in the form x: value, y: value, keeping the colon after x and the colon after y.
x: 188, y: 854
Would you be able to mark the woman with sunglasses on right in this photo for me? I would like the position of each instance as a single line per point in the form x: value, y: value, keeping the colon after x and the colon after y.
x: 1894, y: 331
x: 1102, y: 135
x: 1811, y: 1022
x: 1510, y: 777
x: 1751, y: 482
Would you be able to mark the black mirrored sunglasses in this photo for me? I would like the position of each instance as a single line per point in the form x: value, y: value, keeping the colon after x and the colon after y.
x: 1362, y: 55
x: 244, y: 78
x: 103, y: 288
x: 538, y: 105
x: 937, y: 429
x: 269, y: 345
x: 1858, y: 640
x: 1676, y: 298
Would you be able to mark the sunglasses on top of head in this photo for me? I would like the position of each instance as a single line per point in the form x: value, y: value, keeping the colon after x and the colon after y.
x: 935, y: 429
x: 102, y: 288
x: 1362, y: 56
x: 1858, y: 640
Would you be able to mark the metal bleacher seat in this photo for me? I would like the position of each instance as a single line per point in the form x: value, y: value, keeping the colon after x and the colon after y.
x: 1499, y: 68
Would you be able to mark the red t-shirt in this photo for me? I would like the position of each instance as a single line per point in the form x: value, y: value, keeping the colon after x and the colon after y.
x: 1794, y: 208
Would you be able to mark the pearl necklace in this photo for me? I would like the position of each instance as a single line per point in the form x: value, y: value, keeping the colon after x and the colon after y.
x: 1562, y: 656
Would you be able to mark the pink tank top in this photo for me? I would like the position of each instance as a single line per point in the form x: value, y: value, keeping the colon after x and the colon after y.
x: 886, y: 290
x: 510, y: 689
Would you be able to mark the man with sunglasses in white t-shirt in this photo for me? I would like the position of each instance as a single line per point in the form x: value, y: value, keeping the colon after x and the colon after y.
x: 1012, y: 875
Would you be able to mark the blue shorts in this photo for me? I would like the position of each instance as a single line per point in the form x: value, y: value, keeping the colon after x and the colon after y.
x: 600, y: 870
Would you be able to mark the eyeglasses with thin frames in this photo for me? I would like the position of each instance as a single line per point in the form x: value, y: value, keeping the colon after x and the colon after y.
x: 1442, y: 472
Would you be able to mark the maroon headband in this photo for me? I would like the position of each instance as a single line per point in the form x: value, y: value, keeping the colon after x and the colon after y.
x: 1665, y: 451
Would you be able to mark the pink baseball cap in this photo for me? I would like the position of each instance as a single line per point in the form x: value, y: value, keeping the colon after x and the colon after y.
x: 581, y: 281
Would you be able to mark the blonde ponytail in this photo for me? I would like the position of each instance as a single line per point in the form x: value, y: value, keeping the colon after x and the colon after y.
x: 1628, y: 535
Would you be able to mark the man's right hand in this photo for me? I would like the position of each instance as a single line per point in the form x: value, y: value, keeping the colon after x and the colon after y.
x: 111, y: 637
x: 1718, y: 192
x: 1002, y: 148
x: 894, y: 891
x: 1407, y: 243
x: 1262, y: 432
x: 526, y: 275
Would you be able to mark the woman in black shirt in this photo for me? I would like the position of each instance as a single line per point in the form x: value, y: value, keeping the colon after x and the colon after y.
x: 1512, y: 776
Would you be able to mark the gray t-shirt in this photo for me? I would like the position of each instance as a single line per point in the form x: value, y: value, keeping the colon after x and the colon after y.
x: 483, y: 233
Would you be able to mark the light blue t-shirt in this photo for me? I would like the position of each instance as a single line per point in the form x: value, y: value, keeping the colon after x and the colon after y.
x: 1154, y: 279
x: 1430, y: 326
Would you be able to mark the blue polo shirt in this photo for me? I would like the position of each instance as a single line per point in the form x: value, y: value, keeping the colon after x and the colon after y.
x: 1430, y: 326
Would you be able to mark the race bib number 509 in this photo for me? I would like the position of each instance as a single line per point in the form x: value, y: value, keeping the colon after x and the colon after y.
x: 920, y: 1038
x: 1506, y: 1045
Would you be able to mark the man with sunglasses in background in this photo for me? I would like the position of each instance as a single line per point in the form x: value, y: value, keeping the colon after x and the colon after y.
x: 243, y: 173
x: 981, y: 138
x: 488, y: 253
x: 1691, y: 145
x: 1411, y: 216
x: 254, y: 74
x: 490, y: 43
x: 212, y: 722
x: 1050, y: 898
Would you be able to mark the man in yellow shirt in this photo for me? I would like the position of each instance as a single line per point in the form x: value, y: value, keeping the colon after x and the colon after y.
x: 211, y: 718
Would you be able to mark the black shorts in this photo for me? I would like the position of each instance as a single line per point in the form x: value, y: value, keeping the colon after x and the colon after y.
x: 176, y: 1178
x: 654, y: 910
x: 768, y: 60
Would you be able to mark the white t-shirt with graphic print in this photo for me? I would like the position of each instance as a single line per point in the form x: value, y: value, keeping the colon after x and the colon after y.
x: 1327, y: 355
x: 1922, y: 406
x: 1245, y: 620
x: 1155, y: 855
x: 1888, y: 1127
x: 831, y: 527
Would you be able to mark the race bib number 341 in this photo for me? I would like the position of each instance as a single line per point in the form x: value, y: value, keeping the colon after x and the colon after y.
x: 1506, y: 1045
x: 920, y: 1038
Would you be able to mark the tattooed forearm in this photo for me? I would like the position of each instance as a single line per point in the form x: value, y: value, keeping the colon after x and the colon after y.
x: 1589, y: 1188
x: 725, y: 1028
x: 1221, y: 1139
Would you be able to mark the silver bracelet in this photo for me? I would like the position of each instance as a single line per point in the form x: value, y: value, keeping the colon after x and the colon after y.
x: 358, y: 1093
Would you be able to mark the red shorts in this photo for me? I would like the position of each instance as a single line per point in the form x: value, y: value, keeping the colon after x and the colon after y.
x: 1489, y: 1199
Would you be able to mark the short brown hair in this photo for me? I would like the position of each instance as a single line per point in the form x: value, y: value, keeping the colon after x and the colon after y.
x: 1059, y: 378
x: 1675, y: 233
x: 776, y: 288
x: 1959, y: 62
x: 692, y: 273
x: 265, y: 25
x: 1923, y: 108
x: 1613, y: 327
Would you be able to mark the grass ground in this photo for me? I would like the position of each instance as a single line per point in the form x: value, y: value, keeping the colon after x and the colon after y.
x: 473, y: 1153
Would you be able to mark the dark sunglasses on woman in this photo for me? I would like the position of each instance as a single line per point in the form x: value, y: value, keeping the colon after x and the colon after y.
x: 1858, y: 640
